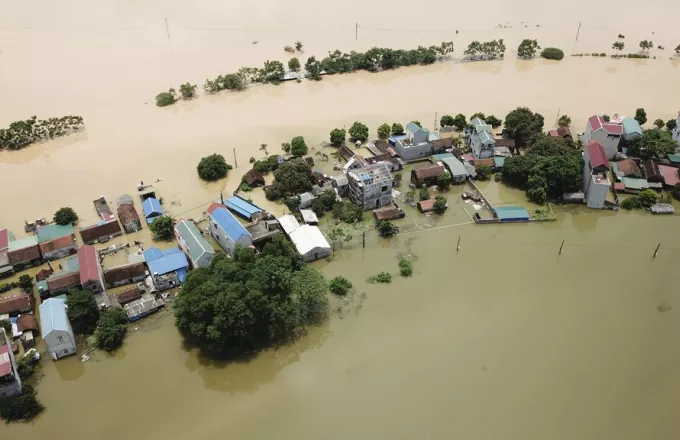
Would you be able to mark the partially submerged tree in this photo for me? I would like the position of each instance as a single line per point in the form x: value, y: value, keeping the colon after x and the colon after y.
x: 213, y: 167
x: 338, y: 136
x: 646, y: 45
x: 298, y: 46
x: 483, y: 172
x: 286, y: 147
x: 659, y: 123
x: 440, y: 204
x: 618, y: 45
x: 188, y: 90
x: 163, y: 226
x: 291, y: 178
x: 652, y: 144
x: 523, y: 125
x: 564, y: 121
x: 22, y: 407
x: 82, y: 311
x: 313, y: 68
x: 446, y: 121
x: 298, y: 146
x: 65, y: 216
x: 26, y: 283
x: 386, y: 228
x: 358, y: 131
x: 671, y: 124
x: 527, y: 48
x: 294, y: 64
x: 384, y: 131
x: 111, y: 329
x: 444, y: 181
x: 166, y: 98
x: 459, y: 122
x: 397, y: 128
x: 493, y: 121
x: 552, y: 53
x: 340, y: 285
x: 641, y: 116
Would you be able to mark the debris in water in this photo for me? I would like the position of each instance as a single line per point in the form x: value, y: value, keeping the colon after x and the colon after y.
x: 663, y: 308
x: 84, y: 358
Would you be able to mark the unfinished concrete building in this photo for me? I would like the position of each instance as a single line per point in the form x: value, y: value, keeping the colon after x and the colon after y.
x: 370, y: 186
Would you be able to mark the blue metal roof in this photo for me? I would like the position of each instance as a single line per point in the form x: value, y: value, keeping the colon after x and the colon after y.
x: 510, y: 213
x: 499, y: 161
x: 151, y: 206
x: 50, y: 232
x: 233, y: 228
x: 162, y: 262
x: 53, y: 316
x: 241, y: 207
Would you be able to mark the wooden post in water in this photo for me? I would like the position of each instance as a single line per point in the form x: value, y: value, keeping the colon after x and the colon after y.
x: 578, y: 31
x: 363, y: 239
x: 657, y: 250
x: 167, y: 29
x: 458, y: 246
x: 356, y: 31
x: 561, y: 247
x: 235, y: 163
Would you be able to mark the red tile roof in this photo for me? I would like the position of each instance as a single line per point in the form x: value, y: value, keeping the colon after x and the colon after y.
x: 43, y: 274
x: 213, y: 206
x: 57, y: 243
x: 670, y: 175
x: 426, y: 205
x: 4, y: 239
x: 129, y: 295
x: 65, y: 281
x: 619, y: 186
x: 5, y: 360
x: 94, y: 232
x: 628, y: 167
x: 127, y: 213
x: 25, y: 254
x: 14, y: 303
x: 121, y: 273
x: 597, y: 156
x: 597, y: 123
x: 489, y: 162
x: 428, y: 172
x: 89, y: 264
x: 26, y: 322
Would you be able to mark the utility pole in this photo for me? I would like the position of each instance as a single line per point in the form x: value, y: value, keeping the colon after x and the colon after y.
x: 167, y: 29
x: 235, y: 163
x: 657, y: 250
x: 458, y: 246
x: 561, y: 247
x: 363, y: 240
x: 578, y: 31
x: 356, y: 31
x: 558, y: 117
x: 435, y: 120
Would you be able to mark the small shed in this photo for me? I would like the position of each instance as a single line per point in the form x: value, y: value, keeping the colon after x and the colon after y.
x: 129, y: 295
x: 288, y: 223
x: 242, y: 207
x: 388, y: 213
x: 309, y: 217
x: 662, y: 208
x: 306, y: 200
x: 631, y: 129
x: 310, y: 243
x: 426, y: 175
x: 426, y: 205
x: 254, y: 178
x: 512, y: 214
x: 152, y: 209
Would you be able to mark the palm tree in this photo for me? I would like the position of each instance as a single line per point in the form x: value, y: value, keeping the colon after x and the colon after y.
x: 263, y: 147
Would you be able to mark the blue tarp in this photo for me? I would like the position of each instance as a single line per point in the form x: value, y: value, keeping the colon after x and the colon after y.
x: 230, y: 224
x: 152, y: 206
x: 169, y: 260
x: 241, y: 207
x: 392, y: 140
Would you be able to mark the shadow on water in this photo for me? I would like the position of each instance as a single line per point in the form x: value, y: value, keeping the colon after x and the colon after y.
x: 246, y: 373
x: 70, y: 368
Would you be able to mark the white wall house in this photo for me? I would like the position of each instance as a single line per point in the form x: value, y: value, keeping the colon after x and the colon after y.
x: 310, y: 243
x: 596, y: 182
x: 227, y: 230
x: 608, y: 134
x: 193, y: 244
x: 482, y: 142
x: 56, y: 328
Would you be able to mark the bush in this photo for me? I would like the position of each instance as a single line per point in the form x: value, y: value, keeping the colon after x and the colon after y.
x: 676, y: 191
x: 483, y: 172
x: 386, y: 228
x: 339, y: 285
x: 213, y: 167
x: 382, y: 277
x: 65, y: 216
x: 424, y: 194
x: 446, y: 121
x: 294, y: 64
x: 644, y: 200
x: 405, y: 267
x: 187, y: 90
x: 298, y: 147
x: 347, y: 212
x: 82, y: 311
x: 552, y: 53
x: 26, y: 283
x: 338, y: 136
x: 444, y: 181
x: 384, y: 131
x: 397, y: 128
x: 111, y: 329
x: 163, y: 226
x: 440, y: 204
x: 7, y: 325
x: 166, y: 98
x: 24, y: 406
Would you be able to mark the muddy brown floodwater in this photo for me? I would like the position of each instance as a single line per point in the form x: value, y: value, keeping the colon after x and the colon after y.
x: 501, y: 340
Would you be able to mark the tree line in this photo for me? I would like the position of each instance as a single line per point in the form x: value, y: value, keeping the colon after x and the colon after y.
x: 20, y: 134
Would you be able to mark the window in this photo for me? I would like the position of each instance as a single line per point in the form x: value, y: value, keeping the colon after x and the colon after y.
x: 65, y: 351
x: 60, y: 338
x: 384, y: 188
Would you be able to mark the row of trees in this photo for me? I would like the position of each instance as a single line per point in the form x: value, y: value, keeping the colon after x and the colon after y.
x: 250, y: 301
x: 491, y: 49
x: 20, y: 134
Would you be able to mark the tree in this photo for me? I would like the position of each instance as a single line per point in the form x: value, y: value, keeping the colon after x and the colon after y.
x: 440, y: 204
x: 213, y: 167
x: 338, y: 136
x: 166, y: 98
x: 527, y: 48
x: 286, y: 147
x: 162, y: 226
x: 298, y: 146
x: 644, y: 200
x: 111, y: 329
x: 7, y: 325
x: 446, y: 121
x: 618, y: 45
x: 552, y: 53
x: 188, y: 90
x: 424, y: 194
x: 313, y: 68
x: 298, y: 46
x: 22, y: 407
x: 272, y: 72
x: 646, y: 45
x: 676, y: 191
x: 652, y: 144
x: 523, y: 125
x: 405, y: 267
x: 671, y: 124
x: 493, y: 121
x: 564, y: 121
x: 290, y: 178
x: 483, y: 172
x: 606, y: 118
x: 358, y: 131
x: 479, y: 115
x: 384, y: 131
x: 65, y: 216
x: 26, y: 283
x: 418, y: 123
x: 444, y: 181
x: 250, y: 301
x: 294, y: 64
x: 397, y: 128
x: 386, y: 228
x: 659, y: 123
x: 459, y: 122
x: 641, y: 116
x: 347, y: 212
x: 82, y: 311
x: 340, y: 285
x: 234, y: 81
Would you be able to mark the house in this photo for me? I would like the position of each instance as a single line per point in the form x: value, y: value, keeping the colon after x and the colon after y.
x: 56, y: 241
x: 91, y: 274
x: 309, y: 217
x: 56, y: 328
x: 391, y: 212
x: 152, y: 209
x: 454, y: 166
x: 127, y: 214
x: 595, y: 175
x: 226, y: 229
x: 310, y: 243
x: 168, y: 267
x: 145, y: 191
x: 124, y: 274
x: 101, y: 231
x: 62, y: 282
x: 631, y: 129
x: 652, y: 171
x: 15, y: 303
x: 128, y: 295
x: 6, y: 267
x: 608, y: 134
x: 416, y: 134
x: 426, y: 205
x: 670, y: 175
x: 242, y: 207
x: 426, y: 175
x: 370, y: 185
x: 409, y: 151
x: 288, y: 223
x: 632, y: 185
x: 561, y: 132
x: 193, y: 244
x: 254, y: 178
x: 306, y: 199
x: 341, y: 185
x: 625, y: 168
x: 263, y: 230
x: 481, y: 139
x: 10, y: 381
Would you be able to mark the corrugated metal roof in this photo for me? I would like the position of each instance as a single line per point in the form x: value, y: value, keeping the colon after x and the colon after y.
x: 306, y: 237
x: 455, y: 167
x: 440, y: 157
x: 308, y: 216
x: 50, y: 232
x: 670, y: 175
x: 413, y: 128
x: 478, y: 121
x: 194, y: 239
x: 4, y: 239
x: 230, y: 224
x: 635, y: 183
x: 53, y: 316
x: 151, y: 206
x: 512, y: 213
x: 23, y: 243
x: 499, y: 161
x: 288, y: 223
x: 596, y: 154
x: 675, y: 158
x: 241, y: 207
x: 89, y: 263
x: 485, y: 136
x: 166, y: 261
x: 631, y: 126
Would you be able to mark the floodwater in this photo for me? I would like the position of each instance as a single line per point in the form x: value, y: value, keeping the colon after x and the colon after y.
x: 501, y: 340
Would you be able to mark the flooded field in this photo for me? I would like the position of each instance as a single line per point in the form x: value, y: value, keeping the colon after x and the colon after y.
x: 501, y: 340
